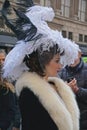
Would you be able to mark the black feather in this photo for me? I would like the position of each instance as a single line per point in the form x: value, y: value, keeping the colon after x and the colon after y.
x: 6, y: 4
x: 5, y: 7
x: 30, y: 3
x: 26, y: 3
x: 22, y: 26
x: 21, y: 15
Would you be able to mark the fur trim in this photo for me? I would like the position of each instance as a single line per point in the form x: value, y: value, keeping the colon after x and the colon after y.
x: 61, y: 105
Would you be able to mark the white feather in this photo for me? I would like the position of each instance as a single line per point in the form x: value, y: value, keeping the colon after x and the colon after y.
x: 14, y: 66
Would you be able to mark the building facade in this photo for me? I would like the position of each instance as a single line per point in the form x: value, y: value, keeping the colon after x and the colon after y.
x: 70, y: 18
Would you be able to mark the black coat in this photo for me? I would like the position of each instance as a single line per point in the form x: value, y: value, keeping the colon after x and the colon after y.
x: 80, y: 73
x: 7, y: 108
x: 33, y: 114
x: 43, y: 108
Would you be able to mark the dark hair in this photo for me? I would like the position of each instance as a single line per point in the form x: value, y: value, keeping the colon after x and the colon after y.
x: 37, y: 60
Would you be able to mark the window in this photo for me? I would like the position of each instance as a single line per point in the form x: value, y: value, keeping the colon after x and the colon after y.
x: 1, y: 22
x: 70, y: 35
x: 65, y: 6
x: 82, y: 10
x: 85, y: 38
x: 64, y: 34
x: 80, y: 38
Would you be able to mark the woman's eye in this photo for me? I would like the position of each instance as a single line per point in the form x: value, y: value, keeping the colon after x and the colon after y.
x: 57, y: 61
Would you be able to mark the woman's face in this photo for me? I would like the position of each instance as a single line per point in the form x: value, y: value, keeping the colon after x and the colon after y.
x: 53, y: 67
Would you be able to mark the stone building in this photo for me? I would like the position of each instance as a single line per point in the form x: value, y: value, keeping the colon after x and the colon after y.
x: 70, y: 19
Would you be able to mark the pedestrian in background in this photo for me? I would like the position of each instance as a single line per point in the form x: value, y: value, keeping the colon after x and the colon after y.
x: 76, y: 75
x: 9, y: 108
x: 7, y: 99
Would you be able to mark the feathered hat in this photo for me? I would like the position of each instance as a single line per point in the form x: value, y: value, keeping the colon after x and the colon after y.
x: 31, y: 30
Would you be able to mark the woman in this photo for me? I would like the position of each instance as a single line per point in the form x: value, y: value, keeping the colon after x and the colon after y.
x: 46, y: 102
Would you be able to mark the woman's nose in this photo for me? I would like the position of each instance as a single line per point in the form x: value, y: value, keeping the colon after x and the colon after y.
x: 60, y: 66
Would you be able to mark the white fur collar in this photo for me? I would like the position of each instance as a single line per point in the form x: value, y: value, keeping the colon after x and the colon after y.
x: 64, y: 110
